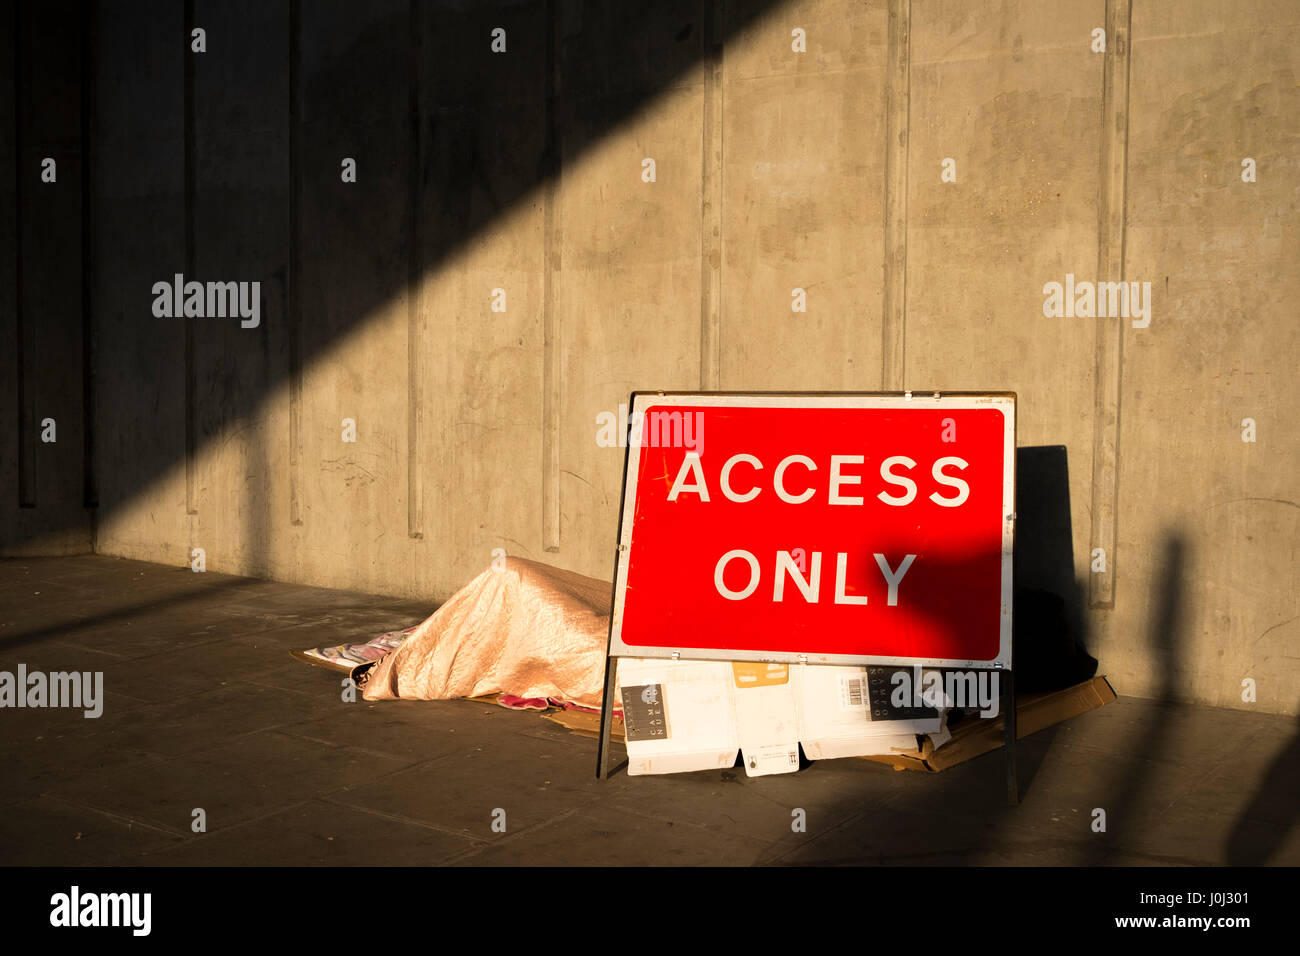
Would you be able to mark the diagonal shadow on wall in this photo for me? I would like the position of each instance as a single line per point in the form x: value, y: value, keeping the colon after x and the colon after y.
x: 220, y: 164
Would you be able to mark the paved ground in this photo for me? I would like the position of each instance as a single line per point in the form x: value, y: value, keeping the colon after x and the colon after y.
x: 206, y: 709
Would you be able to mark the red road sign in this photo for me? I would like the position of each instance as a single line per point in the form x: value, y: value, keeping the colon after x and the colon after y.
x: 845, y: 529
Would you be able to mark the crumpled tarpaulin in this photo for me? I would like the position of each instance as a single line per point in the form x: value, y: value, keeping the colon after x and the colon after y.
x: 525, y: 629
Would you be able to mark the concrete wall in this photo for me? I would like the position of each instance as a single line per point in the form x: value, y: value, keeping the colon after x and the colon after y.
x: 775, y: 170
x: 43, y: 366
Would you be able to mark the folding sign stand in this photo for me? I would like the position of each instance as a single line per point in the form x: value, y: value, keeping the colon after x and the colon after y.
x: 1009, y: 735
x: 697, y: 534
x: 611, y: 675
x: 606, y: 720
x: 1008, y: 689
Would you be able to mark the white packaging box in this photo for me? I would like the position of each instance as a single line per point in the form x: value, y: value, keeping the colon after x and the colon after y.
x: 835, y: 715
x: 697, y: 705
x: 716, y: 709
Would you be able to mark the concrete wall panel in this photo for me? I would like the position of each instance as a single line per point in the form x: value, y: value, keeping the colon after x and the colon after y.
x: 139, y: 225
x: 1211, y: 85
x: 803, y: 200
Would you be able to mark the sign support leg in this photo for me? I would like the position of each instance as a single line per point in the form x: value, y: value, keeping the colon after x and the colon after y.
x: 606, y: 721
x: 1009, y: 743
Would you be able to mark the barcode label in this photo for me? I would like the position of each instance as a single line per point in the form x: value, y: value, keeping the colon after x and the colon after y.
x: 853, y: 693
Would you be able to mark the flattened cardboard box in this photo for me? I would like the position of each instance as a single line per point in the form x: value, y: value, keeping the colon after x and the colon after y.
x: 686, y: 715
x: 1034, y: 712
x: 767, y: 719
x: 971, y: 738
x: 837, y: 717
x: 677, y: 715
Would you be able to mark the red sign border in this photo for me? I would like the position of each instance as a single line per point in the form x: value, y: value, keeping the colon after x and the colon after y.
x: 639, y: 401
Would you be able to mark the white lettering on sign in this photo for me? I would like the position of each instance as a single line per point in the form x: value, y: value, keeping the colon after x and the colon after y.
x: 691, y: 480
x: 785, y: 564
x: 726, y: 592
x: 841, y: 575
x: 963, y: 489
x: 893, y: 578
x: 838, y: 479
x: 780, y: 485
x: 810, y: 587
x: 690, y: 463
x: 902, y: 481
x: 724, y: 477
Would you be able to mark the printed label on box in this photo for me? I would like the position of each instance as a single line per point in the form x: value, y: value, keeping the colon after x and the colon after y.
x: 645, y: 716
x: 771, y: 758
x: 759, y: 673
x: 880, y: 680
x: 854, y: 694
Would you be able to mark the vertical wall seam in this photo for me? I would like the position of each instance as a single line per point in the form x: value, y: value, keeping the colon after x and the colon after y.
x: 89, y: 43
x: 414, y: 328
x: 897, y: 118
x: 552, y: 359
x: 191, y: 437
x: 711, y: 153
x: 294, y: 310
x: 1110, y: 268
x: 23, y: 373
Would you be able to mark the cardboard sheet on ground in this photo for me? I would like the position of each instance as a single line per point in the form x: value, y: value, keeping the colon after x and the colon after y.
x: 521, y: 628
x: 354, y: 658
